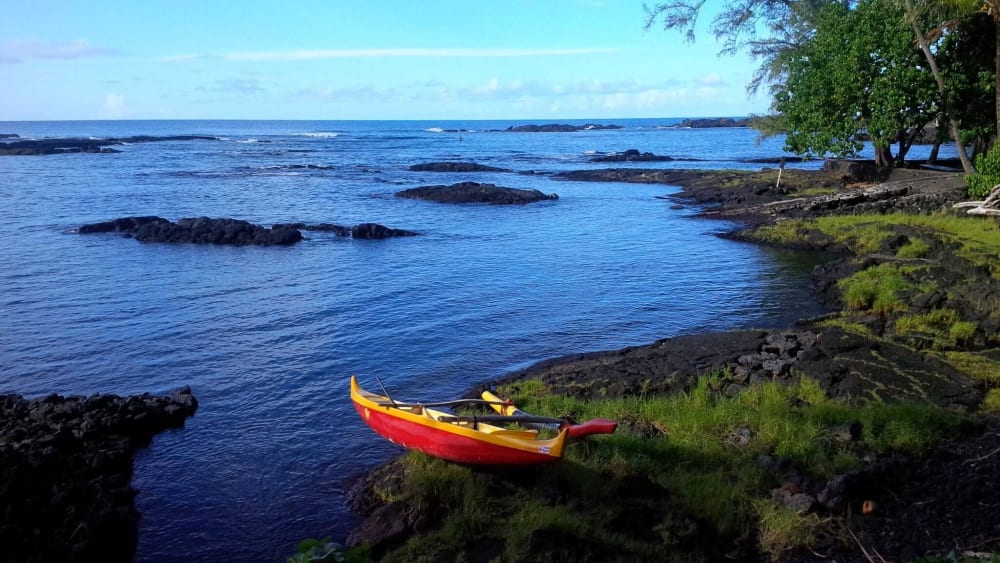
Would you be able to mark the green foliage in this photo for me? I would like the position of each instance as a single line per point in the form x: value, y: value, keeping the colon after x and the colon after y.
x: 988, y: 166
x: 965, y: 56
x: 859, y: 73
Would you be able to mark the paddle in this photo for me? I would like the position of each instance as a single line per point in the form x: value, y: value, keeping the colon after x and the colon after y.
x: 451, y: 403
x: 573, y: 431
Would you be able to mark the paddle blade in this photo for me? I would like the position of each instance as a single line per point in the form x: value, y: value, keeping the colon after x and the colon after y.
x: 596, y: 426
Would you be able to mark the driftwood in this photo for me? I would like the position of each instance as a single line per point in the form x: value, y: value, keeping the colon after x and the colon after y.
x: 989, y: 206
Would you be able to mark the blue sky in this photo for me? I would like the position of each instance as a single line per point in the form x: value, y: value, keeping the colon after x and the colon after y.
x: 425, y: 59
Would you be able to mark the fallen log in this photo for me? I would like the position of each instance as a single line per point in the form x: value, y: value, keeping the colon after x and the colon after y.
x: 988, y: 206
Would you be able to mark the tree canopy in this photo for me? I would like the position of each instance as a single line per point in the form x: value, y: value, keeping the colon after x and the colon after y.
x: 858, y: 75
x: 841, y: 70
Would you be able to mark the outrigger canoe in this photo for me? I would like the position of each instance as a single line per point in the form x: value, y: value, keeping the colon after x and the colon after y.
x: 478, y: 440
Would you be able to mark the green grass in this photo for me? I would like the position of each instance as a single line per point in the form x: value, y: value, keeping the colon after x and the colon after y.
x: 991, y: 403
x: 945, y: 325
x: 877, y: 289
x: 977, y: 238
x: 685, y: 447
x: 914, y: 248
x: 976, y: 366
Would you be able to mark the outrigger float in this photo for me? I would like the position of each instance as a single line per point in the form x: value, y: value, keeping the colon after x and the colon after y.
x: 471, y: 439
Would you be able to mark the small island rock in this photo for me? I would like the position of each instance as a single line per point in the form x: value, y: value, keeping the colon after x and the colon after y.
x: 474, y: 192
x: 714, y: 122
x: 203, y: 230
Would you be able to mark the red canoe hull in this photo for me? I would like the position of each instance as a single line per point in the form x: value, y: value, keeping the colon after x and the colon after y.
x: 446, y: 445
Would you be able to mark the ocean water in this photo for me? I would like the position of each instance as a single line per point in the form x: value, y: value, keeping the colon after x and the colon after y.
x: 268, y: 337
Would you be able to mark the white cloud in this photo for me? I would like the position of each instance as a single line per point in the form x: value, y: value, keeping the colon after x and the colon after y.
x: 115, y: 106
x: 20, y: 50
x: 711, y: 80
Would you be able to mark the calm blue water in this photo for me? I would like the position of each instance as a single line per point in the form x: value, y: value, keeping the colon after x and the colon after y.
x: 267, y: 337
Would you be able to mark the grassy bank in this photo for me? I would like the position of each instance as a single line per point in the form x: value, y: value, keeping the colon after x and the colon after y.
x: 930, y: 281
x: 683, y: 474
x: 763, y: 469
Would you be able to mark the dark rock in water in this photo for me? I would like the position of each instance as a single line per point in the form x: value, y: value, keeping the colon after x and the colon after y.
x: 124, y: 225
x: 362, y: 231
x: 558, y: 128
x: 474, y: 192
x: 206, y: 230
x: 455, y: 167
x: 632, y: 155
x: 65, y: 472
x: 78, y: 145
x: 202, y: 230
x: 376, y: 231
x: 9, y: 136
x: 714, y: 122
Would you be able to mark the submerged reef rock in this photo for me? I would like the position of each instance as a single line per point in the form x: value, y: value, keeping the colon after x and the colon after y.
x: 558, y: 128
x: 474, y: 192
x: 455, y: 167
x: 203, y: 230
x: 632, y: 155
x: 66, y: 468
x: 75, y: 145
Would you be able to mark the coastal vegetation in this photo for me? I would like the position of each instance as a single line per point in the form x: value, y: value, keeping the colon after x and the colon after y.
x: 682, y: 471
x: 840, y: 73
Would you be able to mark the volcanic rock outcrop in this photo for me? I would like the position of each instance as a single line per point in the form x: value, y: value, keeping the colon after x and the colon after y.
x: 66, y: 468
x: 203, y: 230
x: 474, y: 192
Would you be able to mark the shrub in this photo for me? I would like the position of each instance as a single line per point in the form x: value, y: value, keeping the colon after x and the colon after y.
x: 988, y: 166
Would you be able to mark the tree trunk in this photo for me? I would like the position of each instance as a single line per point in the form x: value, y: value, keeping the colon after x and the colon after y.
x: 952, y: 124
x: 932, y: 159
x: 883, y: 156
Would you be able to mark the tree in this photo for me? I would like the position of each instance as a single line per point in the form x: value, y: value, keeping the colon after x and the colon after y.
x: 912, y: 16
x: 965, y: 54
x: 858, y: 75
x: 766, y: 29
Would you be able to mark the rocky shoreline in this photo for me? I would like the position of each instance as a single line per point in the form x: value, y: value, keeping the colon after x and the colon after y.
x: 66, y: 470
x: 874, y: 360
